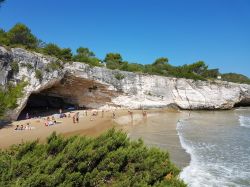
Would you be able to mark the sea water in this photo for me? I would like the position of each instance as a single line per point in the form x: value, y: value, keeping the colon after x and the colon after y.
x: 219, y: 145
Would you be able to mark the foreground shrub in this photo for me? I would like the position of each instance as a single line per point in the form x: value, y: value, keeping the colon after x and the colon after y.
x: 109, y: 160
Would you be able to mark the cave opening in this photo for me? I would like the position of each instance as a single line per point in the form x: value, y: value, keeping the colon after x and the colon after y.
x: 70, y: 93
x: 40, y: 105
x: 243, y: 103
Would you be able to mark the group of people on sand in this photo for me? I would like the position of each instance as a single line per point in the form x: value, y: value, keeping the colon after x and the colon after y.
x: 51, y: 120
x: 22, y: 127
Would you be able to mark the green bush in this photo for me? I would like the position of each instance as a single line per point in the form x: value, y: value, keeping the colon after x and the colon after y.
x: 119, y: 76
x: 52, y: 66
x: 234, y: 77
x: 51, y: 49
x: 108, y: 160
x: 14, y: 67
x: 28, y: 66
x: 39, y: 75
x: 9, y: 96
x: 20, y: 34
x: 87, y: 56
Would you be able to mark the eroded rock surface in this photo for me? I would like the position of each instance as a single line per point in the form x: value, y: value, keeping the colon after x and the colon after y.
x: 96, y: 87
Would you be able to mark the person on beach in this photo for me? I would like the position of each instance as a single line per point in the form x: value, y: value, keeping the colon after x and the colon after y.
x: 17, y: 127
x: 74, y: 119
x: 131, y: 114
x: 27, y: 115
x: 69, y: 115
x: 77, y: 117
x: 46, y: 123
x: 28, y: 126
x: 113, y: 114
x: 21, y: 128
x: 51, y: 123
x: 102, y: 113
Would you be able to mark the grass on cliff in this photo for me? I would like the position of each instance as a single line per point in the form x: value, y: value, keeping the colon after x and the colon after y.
x: 108, y: 160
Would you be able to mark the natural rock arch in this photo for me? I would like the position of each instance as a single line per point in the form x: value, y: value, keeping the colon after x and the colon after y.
x: 70, y: 91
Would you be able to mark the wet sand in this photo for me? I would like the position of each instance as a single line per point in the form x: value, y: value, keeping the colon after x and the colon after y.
x: 158, y: 129
x: 153, y: 129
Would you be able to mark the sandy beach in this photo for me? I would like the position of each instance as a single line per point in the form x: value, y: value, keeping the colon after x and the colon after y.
x: 137, y: 126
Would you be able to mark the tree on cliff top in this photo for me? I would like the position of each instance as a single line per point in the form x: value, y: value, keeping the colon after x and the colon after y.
x: 160, y: 61
x: 20, y: 34
x: 87, y: 56
x: 64, y: 54
x: 113, y: 60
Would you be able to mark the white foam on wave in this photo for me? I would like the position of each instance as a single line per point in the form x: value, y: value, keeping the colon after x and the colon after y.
x: 189, y: 173
x: 244, y: 121
x: 198, y: 173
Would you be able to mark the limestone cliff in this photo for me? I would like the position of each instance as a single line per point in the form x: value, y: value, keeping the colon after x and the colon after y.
x: 96, y: 87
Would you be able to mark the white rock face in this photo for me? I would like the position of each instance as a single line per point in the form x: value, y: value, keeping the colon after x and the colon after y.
x: 132, y: 91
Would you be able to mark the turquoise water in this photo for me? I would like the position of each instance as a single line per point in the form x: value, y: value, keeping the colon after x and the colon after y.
x: 219, y: 145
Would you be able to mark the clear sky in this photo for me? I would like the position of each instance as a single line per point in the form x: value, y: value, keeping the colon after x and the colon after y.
x: 216, y: 31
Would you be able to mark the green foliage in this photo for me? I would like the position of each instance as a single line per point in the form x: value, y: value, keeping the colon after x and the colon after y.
x: 4, y: 40
x: 234, y: 77
x: 14, y: 67
x: 51, y: 49
x: 160, y: 61
x: 119, y: 76
x: 211, y: 73
x: 29, y: 66
x: 39, y: 75
x: 52, y: 66
x: 132, y: 67
x: 86, y: 56
x: 21, y: 34
x: 108, y: 160
x: 113, y: 60
x: 84, y: 52
x: 9, y: 96
x: 65, y: 54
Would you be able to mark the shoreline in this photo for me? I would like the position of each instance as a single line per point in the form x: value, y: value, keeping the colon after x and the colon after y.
x: 160, y: 130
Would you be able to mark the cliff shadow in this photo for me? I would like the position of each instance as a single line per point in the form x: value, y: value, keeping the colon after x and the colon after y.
x: 40, y: 105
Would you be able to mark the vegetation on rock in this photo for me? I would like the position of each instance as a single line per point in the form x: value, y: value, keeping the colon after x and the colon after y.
x: 86, y: 56
x: 14, y: 67
x: 39, y: 75
x: 119, y: 76
x: 234, y: 77
x: 108, y: 160
x: 9, y: 96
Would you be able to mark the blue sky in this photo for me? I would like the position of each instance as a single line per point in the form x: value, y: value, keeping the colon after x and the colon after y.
x: 185, y: 31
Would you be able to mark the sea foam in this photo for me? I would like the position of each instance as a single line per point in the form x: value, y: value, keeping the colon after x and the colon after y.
x: 207, y: 172
x: 244, y: 121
